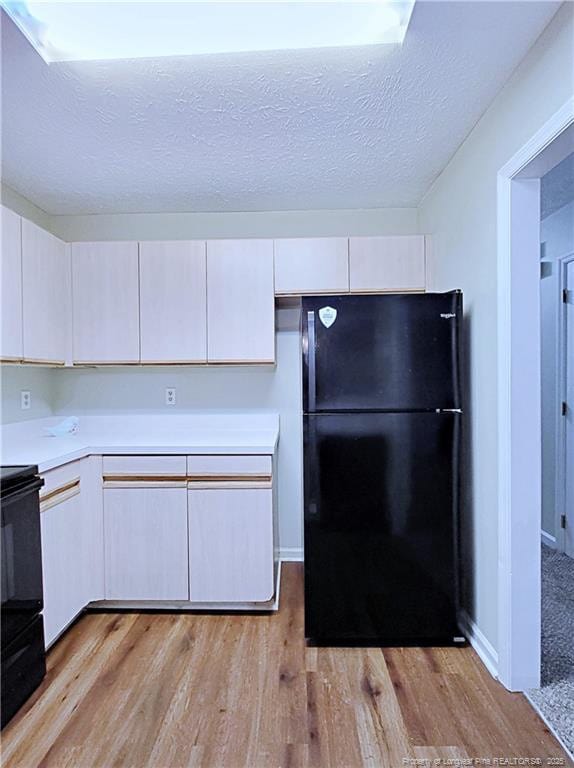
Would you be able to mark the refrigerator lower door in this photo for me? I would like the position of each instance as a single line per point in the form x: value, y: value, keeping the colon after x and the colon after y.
x: 380, y: 528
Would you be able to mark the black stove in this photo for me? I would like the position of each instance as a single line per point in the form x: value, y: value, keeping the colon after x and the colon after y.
x: 22, y: 650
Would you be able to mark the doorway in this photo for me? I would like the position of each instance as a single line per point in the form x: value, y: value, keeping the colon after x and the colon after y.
x: 555, y: 697
x: 557, y: 350
x: 519, y: 399
x: 568, y: 441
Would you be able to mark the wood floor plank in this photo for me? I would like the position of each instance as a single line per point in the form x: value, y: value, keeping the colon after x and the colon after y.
x: 419, y: 724
x: 244, y: 691
x: 291, y: 675
x: 382, y: 733
x: 440, y: 754
x: 30, y: 736
x: 336, y: 706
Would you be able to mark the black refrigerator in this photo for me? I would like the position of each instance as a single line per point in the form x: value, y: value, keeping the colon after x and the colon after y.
x: 382, y: 431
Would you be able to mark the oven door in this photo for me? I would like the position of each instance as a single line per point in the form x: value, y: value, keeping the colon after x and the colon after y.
x: 21, y: 558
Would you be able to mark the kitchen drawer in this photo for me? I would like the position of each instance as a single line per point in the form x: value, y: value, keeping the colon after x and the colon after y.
x: 144, y: 466
x: 228, y: 466
x: 60, y: 483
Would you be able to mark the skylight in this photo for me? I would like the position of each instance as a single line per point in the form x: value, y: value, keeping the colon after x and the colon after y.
x: 86, y: 30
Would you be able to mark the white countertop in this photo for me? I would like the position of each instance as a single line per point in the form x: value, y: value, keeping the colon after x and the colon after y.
x: 216, y: 433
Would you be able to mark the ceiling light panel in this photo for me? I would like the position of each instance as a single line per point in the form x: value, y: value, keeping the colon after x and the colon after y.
x: 131, y: 29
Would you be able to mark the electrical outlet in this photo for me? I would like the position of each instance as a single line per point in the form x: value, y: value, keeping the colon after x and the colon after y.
x: 25, y: 399
x: 170, y: 396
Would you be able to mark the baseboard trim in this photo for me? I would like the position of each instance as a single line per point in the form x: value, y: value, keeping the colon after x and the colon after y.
x: 548, y: 539
x: 291, y: 554
x: 549, y: 725
x: 480, y: 643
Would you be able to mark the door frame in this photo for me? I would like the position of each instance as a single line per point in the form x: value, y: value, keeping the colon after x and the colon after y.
x: 560, y: 477
x: 519, y: 410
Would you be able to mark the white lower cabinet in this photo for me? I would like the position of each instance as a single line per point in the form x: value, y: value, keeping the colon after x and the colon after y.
x: 63, y: 598
x: 165, y: 529
x: 145, y: 541
x: 231, y: 545
x: 69, y: 548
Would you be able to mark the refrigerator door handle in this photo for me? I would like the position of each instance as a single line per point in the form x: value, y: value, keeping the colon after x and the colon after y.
x: 311, y: 360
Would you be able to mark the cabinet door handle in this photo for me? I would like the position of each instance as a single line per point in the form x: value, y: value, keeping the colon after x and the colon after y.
x: 144, y: 481
x: 229, y: 481
x: 60, y: 494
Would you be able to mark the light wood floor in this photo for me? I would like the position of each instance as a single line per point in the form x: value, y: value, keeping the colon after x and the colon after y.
x: 136, y: 690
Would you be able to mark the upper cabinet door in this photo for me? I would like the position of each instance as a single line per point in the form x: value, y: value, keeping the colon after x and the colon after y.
x: 387, y: 263
x: 11, y: 286
x: 46, y: 291
x: 173, y: 307
x: 105, y: 294
x: 312, y: 265
x: 240, y: 301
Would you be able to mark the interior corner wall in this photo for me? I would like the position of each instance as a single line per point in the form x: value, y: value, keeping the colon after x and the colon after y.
x: 24, y: 207
x: 460, y: 212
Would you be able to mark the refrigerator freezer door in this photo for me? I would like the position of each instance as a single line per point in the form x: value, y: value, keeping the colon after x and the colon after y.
x: 391, y: 353
x: 380, y: 527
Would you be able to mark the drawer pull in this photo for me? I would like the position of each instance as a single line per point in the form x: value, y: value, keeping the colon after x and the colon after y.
x: 239, y: 480
x: 229, y: 481
x: 59, y: 494
x: 229, y: 478
x: 144, y: 481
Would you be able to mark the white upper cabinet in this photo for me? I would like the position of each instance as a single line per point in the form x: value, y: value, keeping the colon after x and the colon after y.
x: 173, y: 309
x: 240, y: 301
x: 387, y: 263
x: 11, y: 286
x: 46, y: 295
x: 312, y: 265
x: 105, y: 290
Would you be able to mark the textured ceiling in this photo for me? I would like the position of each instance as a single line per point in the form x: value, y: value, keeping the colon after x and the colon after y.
x: 333, y: 128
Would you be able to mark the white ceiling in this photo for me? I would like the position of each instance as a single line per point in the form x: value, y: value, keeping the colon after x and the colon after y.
x: 333, y: 128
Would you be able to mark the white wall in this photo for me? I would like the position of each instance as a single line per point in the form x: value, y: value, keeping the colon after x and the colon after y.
x: 187, y: 226
x: 557, y: 238
x: 460, y: 213
x: 38, y: 381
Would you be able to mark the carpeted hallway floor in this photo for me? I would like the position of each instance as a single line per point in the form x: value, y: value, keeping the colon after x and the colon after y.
x: 556, y: 697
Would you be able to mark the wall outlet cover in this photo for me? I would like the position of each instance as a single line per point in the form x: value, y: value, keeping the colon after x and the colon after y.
x: 170, y: 396
x: 25, y: 399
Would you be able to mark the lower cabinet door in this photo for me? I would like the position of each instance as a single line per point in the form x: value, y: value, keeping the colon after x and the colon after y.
x: 145, y: 543
x: 62, y: 565
x: 231, y: 545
